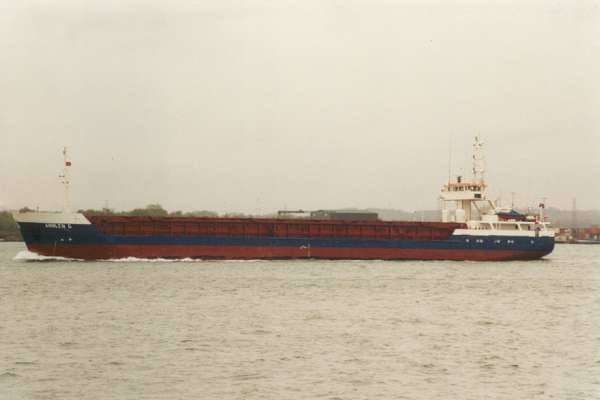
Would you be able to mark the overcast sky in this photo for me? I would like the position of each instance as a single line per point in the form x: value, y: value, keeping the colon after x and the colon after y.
x: 259, y: 105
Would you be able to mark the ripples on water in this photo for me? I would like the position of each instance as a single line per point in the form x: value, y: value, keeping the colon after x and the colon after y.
x: 140, y: 329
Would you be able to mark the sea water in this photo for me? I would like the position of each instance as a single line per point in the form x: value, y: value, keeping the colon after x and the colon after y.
x: 158, y: 329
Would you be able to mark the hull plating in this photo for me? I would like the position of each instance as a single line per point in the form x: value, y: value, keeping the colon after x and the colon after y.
x: 86, y: 242
x: 98, y: 252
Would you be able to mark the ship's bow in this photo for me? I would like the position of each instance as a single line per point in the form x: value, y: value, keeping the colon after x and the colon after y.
x: 52, y: 234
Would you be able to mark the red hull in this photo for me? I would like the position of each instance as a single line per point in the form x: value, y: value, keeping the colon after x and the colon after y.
x: 94, y: 252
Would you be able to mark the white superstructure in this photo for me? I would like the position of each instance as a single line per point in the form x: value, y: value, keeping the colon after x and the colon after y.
x: 465, y: 201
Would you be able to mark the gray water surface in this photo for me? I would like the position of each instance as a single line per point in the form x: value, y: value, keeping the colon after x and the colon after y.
x: 300, y: 329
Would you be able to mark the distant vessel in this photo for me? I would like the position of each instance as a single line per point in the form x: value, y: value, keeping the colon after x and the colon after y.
x: 471, y: 229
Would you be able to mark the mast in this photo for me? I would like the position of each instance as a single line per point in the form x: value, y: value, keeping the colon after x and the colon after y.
x: 478, y: 161
x: 465, y: 194
x: 574, y: 215
x: 450, y: 160
x: 66, y: 180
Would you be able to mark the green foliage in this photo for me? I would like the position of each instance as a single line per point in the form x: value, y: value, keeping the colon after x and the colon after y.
x: 8, y: 227
x: 201, y: 213
x: 235, y: 215
x: 151, y: 210
x: 104, y: 211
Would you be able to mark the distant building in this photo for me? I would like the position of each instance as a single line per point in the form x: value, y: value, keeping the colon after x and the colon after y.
x: 569, y: 235
x: 592, y: 233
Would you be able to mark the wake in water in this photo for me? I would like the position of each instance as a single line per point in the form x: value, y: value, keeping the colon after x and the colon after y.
x: 30, y: 256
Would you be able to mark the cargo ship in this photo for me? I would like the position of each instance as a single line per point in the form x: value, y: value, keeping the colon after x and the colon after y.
x: 472, y: 228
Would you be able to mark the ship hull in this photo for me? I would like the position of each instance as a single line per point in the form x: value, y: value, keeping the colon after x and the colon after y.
x: 114, y: 251
x: 85, y: 241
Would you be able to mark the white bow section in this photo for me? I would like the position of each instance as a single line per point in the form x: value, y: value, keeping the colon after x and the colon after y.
x: 51, y: 218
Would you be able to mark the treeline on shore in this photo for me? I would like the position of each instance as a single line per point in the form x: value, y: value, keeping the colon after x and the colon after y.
x: 151, y: 210
x: 8, y: 227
